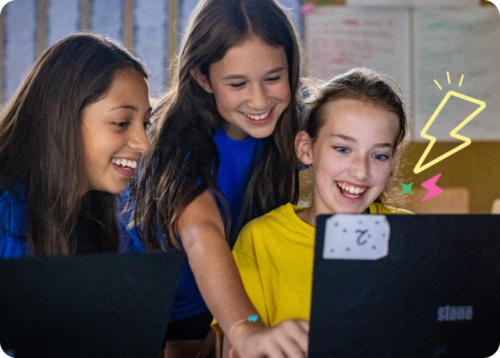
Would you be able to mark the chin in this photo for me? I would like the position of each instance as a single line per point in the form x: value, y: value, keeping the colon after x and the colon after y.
x: 262, y: 133
x: 116, y: 189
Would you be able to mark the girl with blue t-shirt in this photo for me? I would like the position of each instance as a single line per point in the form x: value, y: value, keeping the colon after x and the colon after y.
x: 70, y: 139
x: 223, y: 153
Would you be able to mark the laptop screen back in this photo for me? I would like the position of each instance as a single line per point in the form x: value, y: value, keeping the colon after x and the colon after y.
x: 107, y: 305
x: 436, y: 293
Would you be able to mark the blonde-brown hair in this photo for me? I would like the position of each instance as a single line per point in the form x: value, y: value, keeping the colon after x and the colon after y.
x: 367, y: 86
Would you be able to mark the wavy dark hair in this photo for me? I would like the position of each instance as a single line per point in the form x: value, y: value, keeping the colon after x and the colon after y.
x: 368, y: 86
x: 183, y: 160
x: 41, y: 125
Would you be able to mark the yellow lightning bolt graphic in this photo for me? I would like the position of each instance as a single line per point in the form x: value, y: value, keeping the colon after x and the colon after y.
x: 482, y: 105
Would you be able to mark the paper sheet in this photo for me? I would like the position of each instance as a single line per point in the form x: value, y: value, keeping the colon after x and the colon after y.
x: 356, y: 237
x: 339, y: 39
x: 461, y: 42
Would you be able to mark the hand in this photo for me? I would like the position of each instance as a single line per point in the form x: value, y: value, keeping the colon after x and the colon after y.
x: 288, y: 339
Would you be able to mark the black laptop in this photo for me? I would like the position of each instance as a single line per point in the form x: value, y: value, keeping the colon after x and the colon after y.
x: 406, y: 286
x: 106, y: 305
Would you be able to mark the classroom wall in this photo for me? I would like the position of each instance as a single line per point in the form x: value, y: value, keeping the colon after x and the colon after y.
x: 152, y: 29
x: 475, y: 169
x: 29, y: 27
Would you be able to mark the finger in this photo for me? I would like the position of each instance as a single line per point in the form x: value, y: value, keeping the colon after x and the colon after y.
x: 303, y: 324
x: 291, y: 347
x: 272, y: 350
x: 265, y: 344
x: 297, y: 332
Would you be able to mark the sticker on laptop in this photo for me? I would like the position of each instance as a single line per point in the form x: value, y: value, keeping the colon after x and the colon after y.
x: 356, y: 237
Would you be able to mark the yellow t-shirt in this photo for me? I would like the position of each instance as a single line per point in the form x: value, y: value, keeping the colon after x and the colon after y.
x: 274, y: 254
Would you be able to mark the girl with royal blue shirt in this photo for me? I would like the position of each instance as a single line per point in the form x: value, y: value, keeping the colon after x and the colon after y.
x: 70, y: 139
x: 222, y: 153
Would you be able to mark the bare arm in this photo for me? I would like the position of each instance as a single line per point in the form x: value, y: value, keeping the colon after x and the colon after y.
x: 202, y: 231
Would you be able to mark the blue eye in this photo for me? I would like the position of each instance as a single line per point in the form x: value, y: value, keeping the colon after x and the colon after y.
x: 381, y: 157
x: 342, y: 149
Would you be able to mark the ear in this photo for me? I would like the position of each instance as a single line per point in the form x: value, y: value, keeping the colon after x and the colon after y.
x: 303, y: 147
x: 202, y: 80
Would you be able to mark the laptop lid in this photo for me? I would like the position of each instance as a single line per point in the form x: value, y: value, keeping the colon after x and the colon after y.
x: 435, y: 292
x: 106, y: 305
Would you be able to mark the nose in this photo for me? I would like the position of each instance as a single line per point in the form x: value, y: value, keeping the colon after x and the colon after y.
x: 138, y: 139
x: 360, y: 168
x: 258, y: 98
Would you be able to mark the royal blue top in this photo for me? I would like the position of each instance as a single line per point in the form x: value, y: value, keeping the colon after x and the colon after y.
x: 13, y: 224
x: 13, y: 227
x: 237, y: 161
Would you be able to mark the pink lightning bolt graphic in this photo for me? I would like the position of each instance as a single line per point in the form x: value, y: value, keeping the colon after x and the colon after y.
x: 430, y: 185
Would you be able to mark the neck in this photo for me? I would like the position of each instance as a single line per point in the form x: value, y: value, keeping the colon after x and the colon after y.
x: 308, y: 215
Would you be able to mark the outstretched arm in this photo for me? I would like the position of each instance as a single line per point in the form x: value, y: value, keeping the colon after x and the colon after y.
x: 202, y: 231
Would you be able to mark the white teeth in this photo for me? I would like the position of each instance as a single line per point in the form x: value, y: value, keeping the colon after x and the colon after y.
x: 125, y: 163
x: 351, y: 196
x: 257, y: 117
x: 353, y: 190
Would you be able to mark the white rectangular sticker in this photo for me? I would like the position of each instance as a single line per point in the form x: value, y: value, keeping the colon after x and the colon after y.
x: 356, y: 237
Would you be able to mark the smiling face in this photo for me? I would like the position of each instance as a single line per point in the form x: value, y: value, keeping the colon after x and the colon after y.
x: 251, y: 88
x: 113, y: 132
x: 352, y: 156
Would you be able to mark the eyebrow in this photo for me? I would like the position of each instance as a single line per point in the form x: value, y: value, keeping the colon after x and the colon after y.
x: 351, y: 139
x: 233, y: 77
x: 133, y: 108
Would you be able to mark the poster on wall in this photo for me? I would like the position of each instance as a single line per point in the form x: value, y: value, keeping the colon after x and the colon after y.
x: 340, y: 38
x: 457, y: 50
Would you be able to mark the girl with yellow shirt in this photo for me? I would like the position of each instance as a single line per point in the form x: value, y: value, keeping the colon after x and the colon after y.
x: 354, y: 135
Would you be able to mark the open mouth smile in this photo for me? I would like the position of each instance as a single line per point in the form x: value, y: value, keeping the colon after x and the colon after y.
x: 350, y: 190
x: 259, y: 117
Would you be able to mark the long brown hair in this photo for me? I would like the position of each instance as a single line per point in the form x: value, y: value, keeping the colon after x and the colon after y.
x: 368, y: 86
x: 183, y: 160
x: 41, y: 151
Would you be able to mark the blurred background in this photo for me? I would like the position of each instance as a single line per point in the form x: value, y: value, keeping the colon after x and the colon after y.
x: 429, y: 47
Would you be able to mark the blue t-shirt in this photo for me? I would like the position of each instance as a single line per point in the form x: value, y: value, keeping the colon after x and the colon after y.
x: 237, y: 161
x: 13, y: 227
x: 13, y: 224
